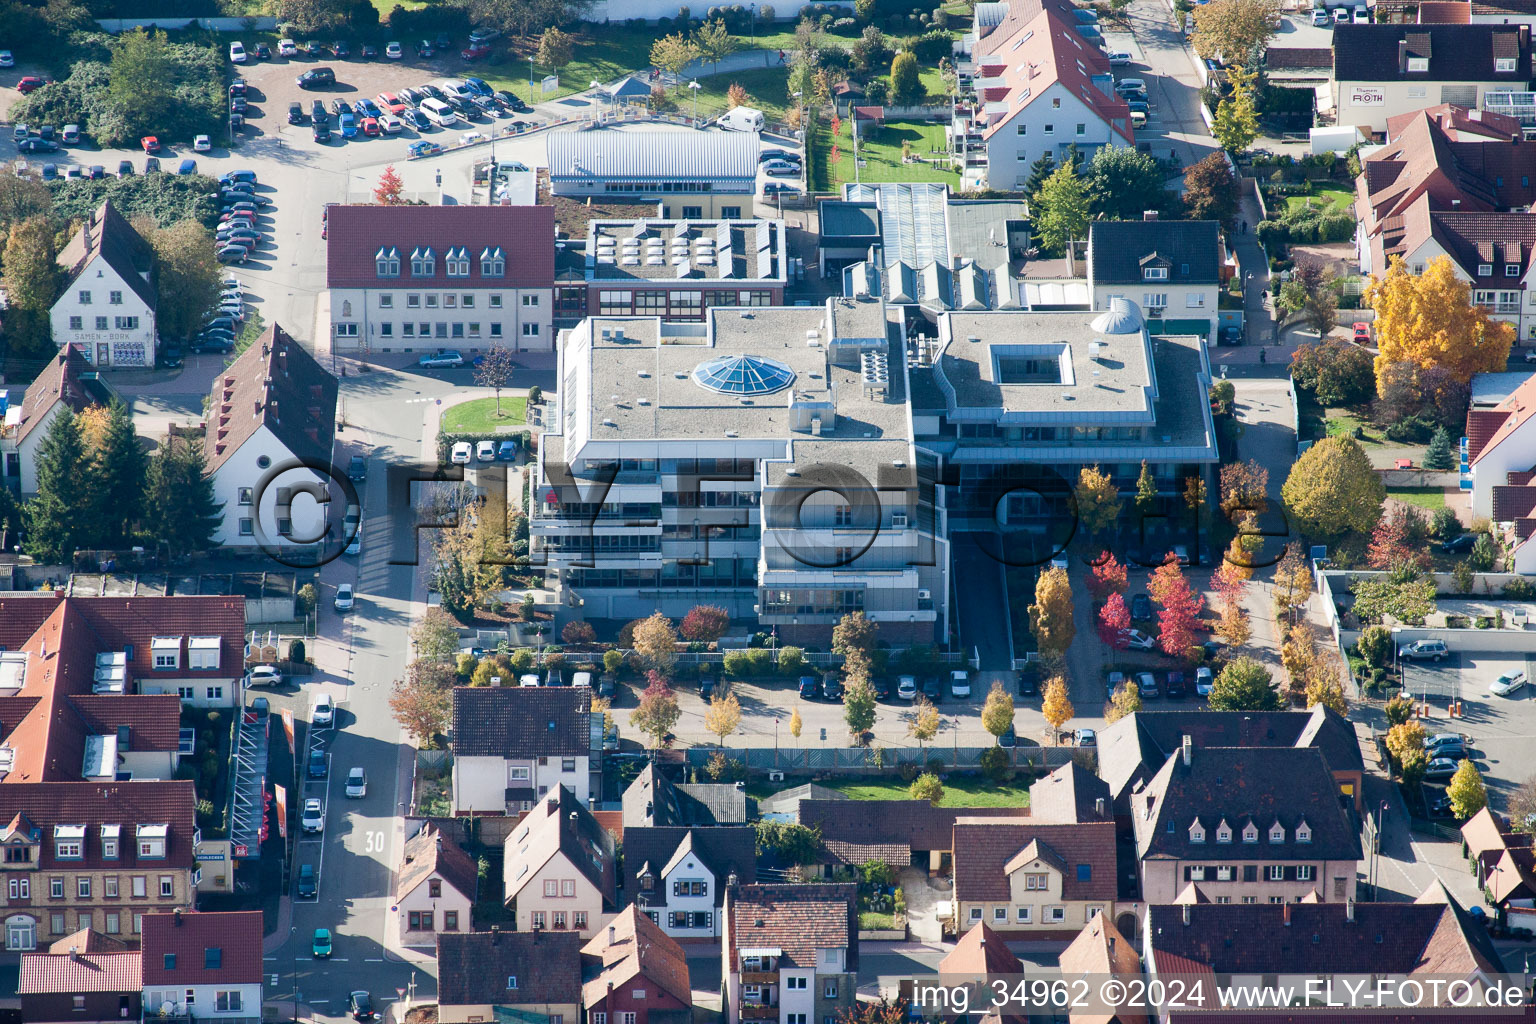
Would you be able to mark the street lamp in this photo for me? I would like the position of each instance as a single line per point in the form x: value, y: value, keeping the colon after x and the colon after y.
x: 694, y: 87
x: 753, y: 9
x: 596, y: 87
x: 530, y: 70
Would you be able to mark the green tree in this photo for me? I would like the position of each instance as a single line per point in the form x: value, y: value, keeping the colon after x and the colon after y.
x: 143, y: 78
x: 1210, y: 191
x: 1051, y: 615
x: 32, y: 279
x: 118, y: 470
x: 925, y: 721
x: 1126, y: 701
x: 1098, y: 502
x: 1466, y: 790
x: 906, y: 85
x: 1406, y: 745
x: 422, y: 702
x: 60, y: 518
x: 179, y: 506
x: 673, y: 53
x: 1375, y: 646
x: 790, y: 842
x: 1398, y: 710
x: 859, y: 709
x: 855, y: 631
x: 187, y: 275
x: 1146, y: 489
x: 1439, y: 455
x: 435, y: 636
x: 997, y: 712
x: 1332, y: 489
x: 1061, y: 208
x: 1244, y: 685
x: 21, y: 199
x: 1237, y: 122
x: 556, y: 49
x: 714, y: 42
x: 927, y: 787
x: 1123, y: 183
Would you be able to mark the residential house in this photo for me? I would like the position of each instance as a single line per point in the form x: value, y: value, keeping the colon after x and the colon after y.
x: 67, y: 381
x: 791, y: 952
x: 895, y: 832
x: 82, y: 855
x: 514, y: 744
x: 1070, y: 793
x: 1173, y: 268
x: 635, y: 974
x: 86, y: 976
x: 107, y: 300
x: 269, y: 436
x: 693, y: 177
x: 1034, y: 880
x: 1017, y: 403
x: 689, y: 472
x: 82, y: 647
x: 1504, y: 864
x: 979, y: 955
x: 408, y: 278
x: 1248, y: 824
x: 203, y: 966
x: 1430, y: 937
x: 532, y: 977
x: 1382, y: 70
x: 677, y: 269
x: 435, y: 888
x: 678, y: 876
x: 1135, y: 748
x: 559, y: 867
x: 1500, y: 443
x: 655, y: 800
x: 1040, y: 87
x: 1098, y: 951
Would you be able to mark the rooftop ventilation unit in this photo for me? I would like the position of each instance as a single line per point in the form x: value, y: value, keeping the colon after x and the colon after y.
x: 609, y: 423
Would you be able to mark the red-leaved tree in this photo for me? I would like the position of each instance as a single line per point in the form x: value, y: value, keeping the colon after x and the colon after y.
x: 705, y: 623
x: 1181, y: 608
x: 1108, y: 577
x: 1166, y: 579
x: 390, y: 190
x: 1391, y: 544
x: 1114, y: 620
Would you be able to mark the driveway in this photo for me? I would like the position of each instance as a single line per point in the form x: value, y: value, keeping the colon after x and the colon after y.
x: 982, y: 601
x: 1175, y: 128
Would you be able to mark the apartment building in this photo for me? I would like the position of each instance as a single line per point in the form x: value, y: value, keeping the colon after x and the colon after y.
x: 1503, y: 470
x: 533, y: 977
x: 791, y: 953
x: 513, y: 744
x: 1033, y: 880
x: 107, y: 298
x: 1172, y: 269
x: 692, y: 463
x: 203, y: 967
x: 416, y: 278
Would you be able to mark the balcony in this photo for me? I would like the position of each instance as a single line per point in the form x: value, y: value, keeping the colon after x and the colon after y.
x: 759, y: 977
x: 753, y: 1011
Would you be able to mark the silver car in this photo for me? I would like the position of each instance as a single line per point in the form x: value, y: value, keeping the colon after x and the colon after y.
x: 357, y: 784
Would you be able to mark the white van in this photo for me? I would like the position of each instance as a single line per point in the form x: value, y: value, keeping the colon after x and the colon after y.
x: 741, y: 119
x: 439, y: 113
x: 455, y: 87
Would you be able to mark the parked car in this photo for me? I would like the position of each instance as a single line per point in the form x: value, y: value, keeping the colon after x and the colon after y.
x: 169, y: 358
x: 360, y: 1006
x: 475, y: 52
x: 321, y: 132
x: 1087, y: 737
x: 324, y: 710
x: 1320, y: 16
x: 151, y: 164
x: 150, y: 143
x: 1507, y: 684
x: 7, y: 59
x: 781, y: 168
x: 1362, y: 332
x: 1112, y: 684
x: 933, y: 689
x: 392, y: 51
x: 306, y: 886
x: 29, y: 84
x: 960, y: 684
x: 1460, y: 545
x: 1118, y: 58
x: 287, y: 48
x: 1441, y: 768
x: 418, y: 122
x: 319, y: 767
x: 443, y: 358
x: 262, y: 51
x: 1454, y: 749
x: 36, y: 145
x: 506, y: 451
x: 264, y: 675
x: 1420, y: 650
x: 1141, y: 608
x: 485, y: 451
x: 187, y: 166
x: 423, y: 48
x: 367, y: 52
x: 344, y: 597
x: 1203, y: 681
x: 237, y: 52
x: 484, y: 34
x: 1136, y: 640
x: 906, y: 687
x: 317, y: 78
x: 706, y: 686
x: 202, y: 144
x: 1146, y: 682
x: 296, y: 113
x: 346, y: 124
x: 809, y: 688
x: 778, y: 188
x: 125, y: 168
x: 357, y: 784
x: 1177, y: 687
x: 831, y: 685
x: 312, y: 820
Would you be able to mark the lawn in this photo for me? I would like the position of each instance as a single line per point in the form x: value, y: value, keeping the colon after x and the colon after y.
x: 1336, y: 198
x: 1345, y: 424
x: 767, y: 90
x: 479, y: 416
x: 881, y: 150
x: 959, y: 791
x: 1426, y: 498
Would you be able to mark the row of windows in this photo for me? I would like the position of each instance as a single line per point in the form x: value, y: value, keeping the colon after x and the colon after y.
x: 1050, y: 129
x: 1250, y: 833
x: 114, y: 298
x: 556, y: 888
x: 1026, y: 915
x: 1159, y: 300
x: 493, y: 262
x: 447, y: 300
x: 557, y: 920
x: 440, y: 329
x: 661, y: 186
x: 721, y: 572
x: 223, y: 1001
x: 19, y: 887
x: 119, y: 323
x: 813, y: 602
x: 426, y: 921
x: 683, y: 302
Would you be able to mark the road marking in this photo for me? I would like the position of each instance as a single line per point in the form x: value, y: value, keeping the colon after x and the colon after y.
x: 374, y: 960
x: 269, y: 958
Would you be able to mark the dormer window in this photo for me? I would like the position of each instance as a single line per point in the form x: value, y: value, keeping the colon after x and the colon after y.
x: 1303, y: 833
x: 167, y: 653
x: 203, y: 653
x: 1277, y: 834
x: 152, y: 841
x: 1196, y: 833
x: 1485, y: 270
x: 1223, y: 833
x: 1418, y: 63
x: 1251, y: 833
x: 1504, y: 64
x: 1154, y: 273
x: 387, y: 262
x: 493, y: 262
x: 69, y: 842
x: 423, y: 262
x: 1511, y: 270
x: 457, y: 262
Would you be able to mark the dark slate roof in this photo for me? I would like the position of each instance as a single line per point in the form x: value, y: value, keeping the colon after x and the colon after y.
x: 653, y: 799
x: 798, y: 919
x: 521, y: 721
x: 983, y: 849
x: 1432, y: 935
x: 560, y: 824
x: 1291, y: 785
x: 1298, y: 58
x: 1457, y: 53
x: 473, y: 968
x: 913, y: 823
x: 845, y: 222
x: 1118, y: 249
x: 1135, y: 747
x: 726, y: 850
x: 109, y: 234
x: 1070, y: 793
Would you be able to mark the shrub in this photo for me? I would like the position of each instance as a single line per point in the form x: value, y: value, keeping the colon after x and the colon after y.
x: 1273, y: 233
x: 930, y: 46
x: 761, y: 661
x: 612, y: 660
x: 1520, y: 589
x: 791, y: 659
x: 845, y: 26
x: 908, y: 771
x: 1413, y: 429
x: 765, y: 12
x: 296, y: 651
x: 994, y: 762
x: 737, y: 664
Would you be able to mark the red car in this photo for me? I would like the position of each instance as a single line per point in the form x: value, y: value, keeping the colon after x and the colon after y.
x: 150, y: 144
x: 370, y: 126
x: 1362, y: 333
x: 391, y: 103
x: 476, y: 52
x: 30, y: 83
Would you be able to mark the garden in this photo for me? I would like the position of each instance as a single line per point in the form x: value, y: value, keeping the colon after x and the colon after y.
x: 1309, y: 201
x: 890, y: 151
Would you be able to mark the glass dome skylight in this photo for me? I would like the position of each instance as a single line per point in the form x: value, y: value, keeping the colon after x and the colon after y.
x: 743, y: 375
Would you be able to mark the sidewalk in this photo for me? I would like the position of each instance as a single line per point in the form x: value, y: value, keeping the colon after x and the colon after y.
x: 1258, y: 307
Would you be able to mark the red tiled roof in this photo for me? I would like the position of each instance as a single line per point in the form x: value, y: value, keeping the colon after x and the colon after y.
x: 980, y: 951
x: 1445, y: 12
x: 1100, y: 949
x: 63, y: 974
x: 1481, y: 425
x: 275, y: 384
x: 427, y: 854
x: 88, y: 940
x: 984, y: 847
x: 1516, y: 410
x: 190, y: 937
x: 634, y: 946
x: 1511, y: 503
x: 357, y: 233
x: 796, y: 919
x: 42, y: 805
x: 60, y: 381
x: 1461, y: 123
x: 1050, y: 51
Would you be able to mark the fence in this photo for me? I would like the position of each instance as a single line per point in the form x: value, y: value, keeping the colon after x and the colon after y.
x: 258, y: 24
x: 800, y: 760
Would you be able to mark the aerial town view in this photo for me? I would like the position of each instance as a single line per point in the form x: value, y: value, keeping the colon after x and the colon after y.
x: 847, y: 512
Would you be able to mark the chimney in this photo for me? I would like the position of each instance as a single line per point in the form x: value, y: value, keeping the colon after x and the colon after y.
x: 74, y: 953
x: 613, y: 933
x: 1186, y: 912
x: 495, y: 934
x: 1099, y: 808
x: 1349, y: 911
x: 1111, y: 945
x: 178, y: 917
x: 1285, y: 910
x: 1187, y: 748
x: 439, y: 844
x: 1149, y: 215
x: 1402, y: 56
